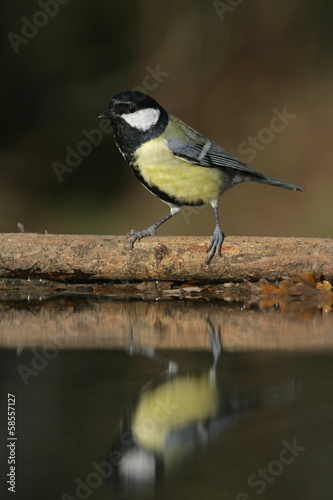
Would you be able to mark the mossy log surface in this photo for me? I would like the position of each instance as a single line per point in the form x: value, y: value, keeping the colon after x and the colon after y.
x: 178, y: 258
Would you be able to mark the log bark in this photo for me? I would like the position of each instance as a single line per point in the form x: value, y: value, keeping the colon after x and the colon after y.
x: 162, y: 325
x: 175, y: 258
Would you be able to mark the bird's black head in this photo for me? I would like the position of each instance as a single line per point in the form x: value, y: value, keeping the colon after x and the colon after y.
x: 136, y: 118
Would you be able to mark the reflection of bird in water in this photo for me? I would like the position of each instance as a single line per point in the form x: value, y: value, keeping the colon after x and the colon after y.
x: 178, y: 412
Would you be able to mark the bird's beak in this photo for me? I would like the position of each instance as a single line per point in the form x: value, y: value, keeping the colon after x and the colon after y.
x: 107, y: 114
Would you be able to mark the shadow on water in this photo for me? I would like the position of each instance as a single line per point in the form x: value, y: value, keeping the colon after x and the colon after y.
x: 166, y: 398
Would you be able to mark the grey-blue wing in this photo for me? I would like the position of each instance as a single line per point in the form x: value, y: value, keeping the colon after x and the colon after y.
x: 194, y: 148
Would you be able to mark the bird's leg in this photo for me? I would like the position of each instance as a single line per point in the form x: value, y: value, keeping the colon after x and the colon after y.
x: 150, y: 353
x: 215, y: 345
x: 151, y: 231
x: 217, y: 239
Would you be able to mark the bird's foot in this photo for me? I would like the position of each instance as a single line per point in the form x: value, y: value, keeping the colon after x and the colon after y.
x: 140, y: 234
x: 215, y: 244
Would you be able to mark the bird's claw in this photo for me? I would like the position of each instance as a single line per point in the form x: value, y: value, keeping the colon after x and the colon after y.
x: 215, y: 244
x: 137, y: 235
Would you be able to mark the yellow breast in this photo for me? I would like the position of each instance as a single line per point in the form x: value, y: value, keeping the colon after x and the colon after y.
x: 174, y: 405
x: 188, y: 184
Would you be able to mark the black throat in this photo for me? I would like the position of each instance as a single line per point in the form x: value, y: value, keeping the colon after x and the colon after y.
x: 129, y: 139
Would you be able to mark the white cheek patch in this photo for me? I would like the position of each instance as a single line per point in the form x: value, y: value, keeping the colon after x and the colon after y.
x: 143, y: 119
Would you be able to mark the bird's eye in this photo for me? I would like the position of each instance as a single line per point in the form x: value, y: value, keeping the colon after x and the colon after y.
x: 132, y: 109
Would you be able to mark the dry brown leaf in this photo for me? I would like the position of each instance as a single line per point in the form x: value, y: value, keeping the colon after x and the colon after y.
x: 300, y: 292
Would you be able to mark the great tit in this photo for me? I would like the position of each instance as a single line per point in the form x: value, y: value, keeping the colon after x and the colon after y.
x: 174, y: 162
x: 180, y: 411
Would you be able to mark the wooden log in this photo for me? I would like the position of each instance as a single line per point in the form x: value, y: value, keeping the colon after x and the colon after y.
x: 175, y: 258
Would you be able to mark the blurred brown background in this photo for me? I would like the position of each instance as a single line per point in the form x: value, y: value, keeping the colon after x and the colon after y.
x: 226, y: 68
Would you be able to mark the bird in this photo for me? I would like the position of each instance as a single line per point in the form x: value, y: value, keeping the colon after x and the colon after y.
x: 175, y: 162
x: 179, y: 411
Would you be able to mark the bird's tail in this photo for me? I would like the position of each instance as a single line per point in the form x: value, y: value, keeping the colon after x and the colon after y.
x: 276, y: 182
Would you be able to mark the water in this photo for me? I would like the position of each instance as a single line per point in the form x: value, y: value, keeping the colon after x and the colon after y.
x: 93, y: 376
